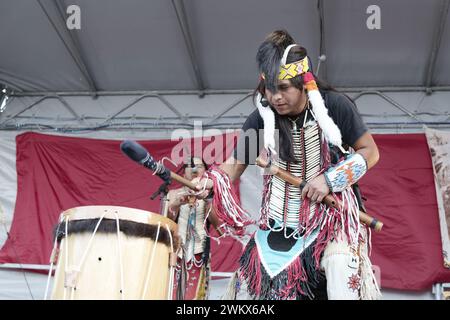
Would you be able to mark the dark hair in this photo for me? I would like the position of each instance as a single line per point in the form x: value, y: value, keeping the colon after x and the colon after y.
x: 268, y: 58
x: 191, y: 161
x: 280, y: 38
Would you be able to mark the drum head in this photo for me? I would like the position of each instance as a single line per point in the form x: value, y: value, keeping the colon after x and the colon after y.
x: 123, y: 213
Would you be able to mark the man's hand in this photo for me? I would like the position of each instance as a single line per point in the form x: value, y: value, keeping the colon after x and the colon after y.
x: 316, y: 189
x: 177, y: 197
x: 200, y: 185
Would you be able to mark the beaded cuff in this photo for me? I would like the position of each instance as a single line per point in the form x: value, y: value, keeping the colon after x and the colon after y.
x: 346, y: 172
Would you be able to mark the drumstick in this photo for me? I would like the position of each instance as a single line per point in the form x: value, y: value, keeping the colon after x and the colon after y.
x: 139, y: 154
x: 183, y: 181
x: 328, y: 200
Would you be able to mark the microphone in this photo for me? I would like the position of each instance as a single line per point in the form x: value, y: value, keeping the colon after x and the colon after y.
x: 139, y: 154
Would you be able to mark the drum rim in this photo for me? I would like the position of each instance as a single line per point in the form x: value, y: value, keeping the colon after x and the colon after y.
x: 131, y: 214
x: 108, y: 226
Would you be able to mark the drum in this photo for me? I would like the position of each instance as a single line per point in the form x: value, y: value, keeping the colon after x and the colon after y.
x: 96, y: 261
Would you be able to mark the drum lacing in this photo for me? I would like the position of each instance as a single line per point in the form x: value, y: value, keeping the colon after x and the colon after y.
x: 151, y: 261
x: 71, y: 277
x: 53, y: 257
x: 171, y: 270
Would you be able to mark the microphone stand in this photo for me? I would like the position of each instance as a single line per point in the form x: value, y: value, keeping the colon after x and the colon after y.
x: 162, y: 191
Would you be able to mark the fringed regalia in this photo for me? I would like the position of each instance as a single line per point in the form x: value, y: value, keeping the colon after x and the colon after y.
x: 193, y: 267
x: 283, y: 258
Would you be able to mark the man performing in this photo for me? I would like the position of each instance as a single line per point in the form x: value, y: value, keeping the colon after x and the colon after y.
x: 193, y: 267
x: 301, y: 245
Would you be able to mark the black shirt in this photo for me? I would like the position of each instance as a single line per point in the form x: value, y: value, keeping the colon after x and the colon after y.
x: 340, y: 108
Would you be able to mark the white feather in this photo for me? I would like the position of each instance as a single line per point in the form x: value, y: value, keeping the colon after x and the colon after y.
x: 269, y: 124
x: 326, y: 123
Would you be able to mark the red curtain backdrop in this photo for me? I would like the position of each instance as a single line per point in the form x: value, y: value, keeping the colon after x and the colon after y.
x: 401, y: 192
x: 57, y: 173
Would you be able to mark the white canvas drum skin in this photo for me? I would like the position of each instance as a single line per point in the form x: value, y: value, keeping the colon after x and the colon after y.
x: 97, y: 262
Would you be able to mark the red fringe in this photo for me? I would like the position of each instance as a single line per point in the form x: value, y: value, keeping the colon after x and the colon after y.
x: 241, y: 220
x: 254, y: 268
x: 296, y: 274
x: 265, y: 202
x: 335, y: 221
x: 252, y: 274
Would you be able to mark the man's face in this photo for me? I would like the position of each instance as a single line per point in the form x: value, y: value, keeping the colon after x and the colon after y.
x: 197, y: 171
x: 288, y: 100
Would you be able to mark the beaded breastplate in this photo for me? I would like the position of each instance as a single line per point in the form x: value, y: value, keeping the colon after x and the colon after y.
x: 285, y: 199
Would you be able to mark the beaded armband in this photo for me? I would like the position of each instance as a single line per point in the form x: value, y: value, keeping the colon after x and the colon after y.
x: 346, y: 172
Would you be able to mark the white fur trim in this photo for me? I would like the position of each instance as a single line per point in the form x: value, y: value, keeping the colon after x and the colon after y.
x: 269, y: 124
x: 326, y: 123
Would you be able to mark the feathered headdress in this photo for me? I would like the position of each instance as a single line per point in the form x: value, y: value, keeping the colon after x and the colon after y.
x: 273, y: 67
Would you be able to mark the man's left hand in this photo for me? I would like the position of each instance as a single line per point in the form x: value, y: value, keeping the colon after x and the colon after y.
x: 316, y: 189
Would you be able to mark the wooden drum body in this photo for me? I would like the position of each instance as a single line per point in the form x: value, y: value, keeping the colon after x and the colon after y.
x: 97, y: 262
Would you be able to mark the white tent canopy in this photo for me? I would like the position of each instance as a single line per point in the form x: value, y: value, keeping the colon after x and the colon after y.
x: 140, y: 56
x: 211, y: 45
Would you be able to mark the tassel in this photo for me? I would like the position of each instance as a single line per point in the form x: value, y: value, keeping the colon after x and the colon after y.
x: 264, y: 211
x: 226, y: 204
x: 335, y: 221
x: 369, y: 286
x: 202, y: 292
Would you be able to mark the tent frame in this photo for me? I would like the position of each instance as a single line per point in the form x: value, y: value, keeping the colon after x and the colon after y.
x: 183, y: 120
